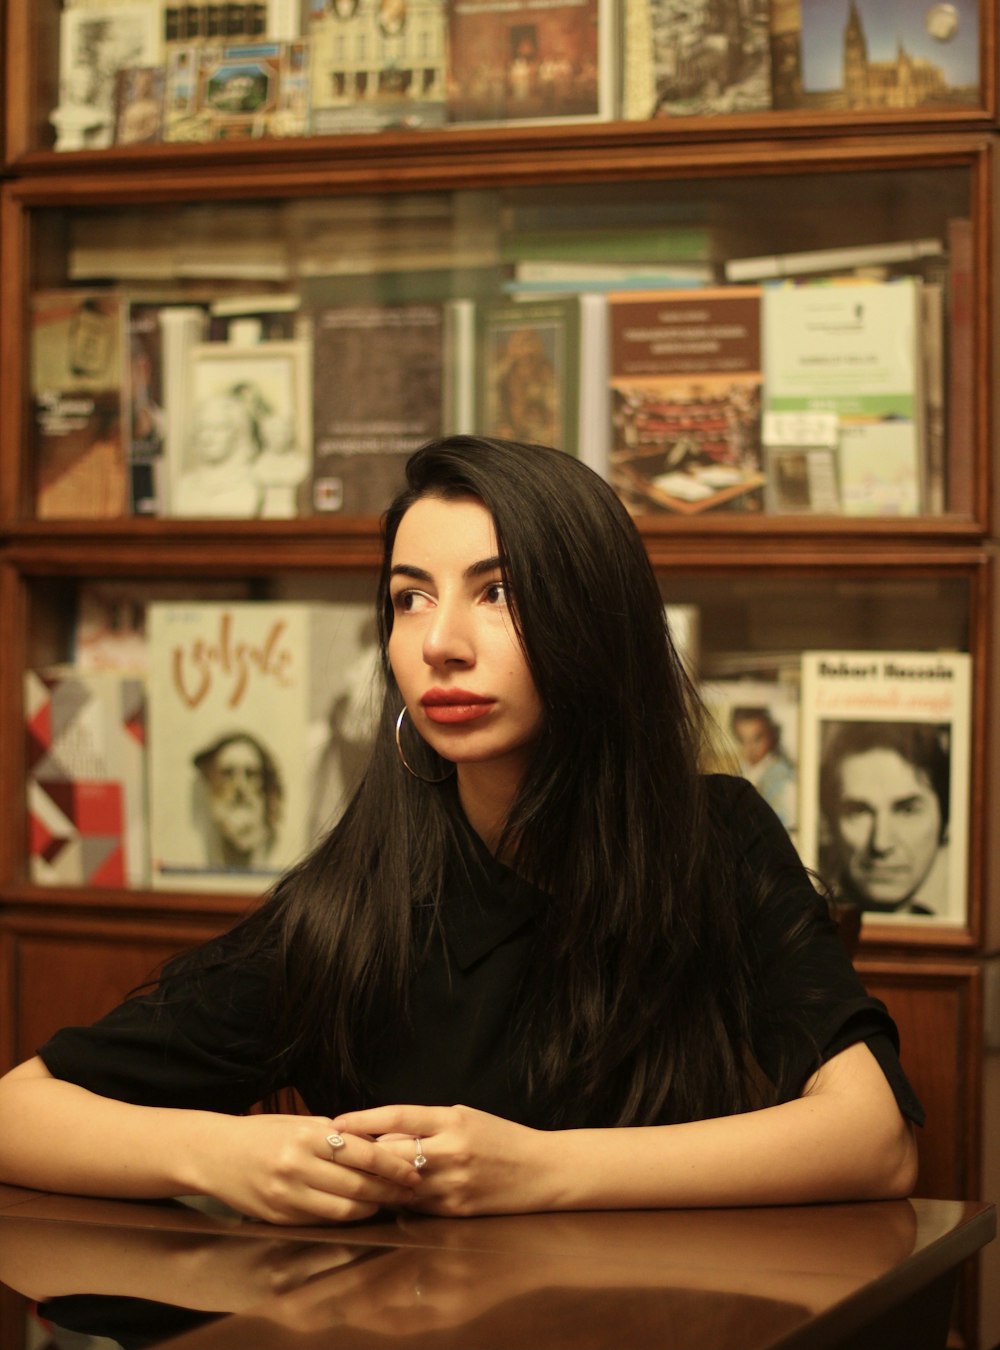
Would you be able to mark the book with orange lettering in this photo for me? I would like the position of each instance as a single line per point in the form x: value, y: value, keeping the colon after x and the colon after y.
x: 239, y: 698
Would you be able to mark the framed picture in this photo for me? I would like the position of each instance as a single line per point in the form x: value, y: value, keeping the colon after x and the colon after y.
x: 248, y: 442
x: 885, y: 782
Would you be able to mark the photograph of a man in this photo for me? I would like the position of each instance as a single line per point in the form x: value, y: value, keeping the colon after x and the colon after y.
x: 240, y: 801
x: 884, y: 797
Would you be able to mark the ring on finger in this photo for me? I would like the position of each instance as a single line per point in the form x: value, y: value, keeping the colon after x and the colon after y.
x: 335, y: 1141
x: 419, y: 1160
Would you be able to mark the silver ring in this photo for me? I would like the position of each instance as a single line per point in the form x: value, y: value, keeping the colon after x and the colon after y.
x: 419, y: 1160
x: 335, y: 1141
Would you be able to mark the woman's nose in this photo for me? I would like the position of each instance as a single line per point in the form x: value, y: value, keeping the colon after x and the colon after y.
x: 447, y: 639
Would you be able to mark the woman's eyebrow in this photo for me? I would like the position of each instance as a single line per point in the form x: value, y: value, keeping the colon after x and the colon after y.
x: 408, y: 570
x: 476, y: 569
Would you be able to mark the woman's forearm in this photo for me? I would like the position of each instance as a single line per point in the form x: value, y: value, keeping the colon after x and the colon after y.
x: 57, y: 1136
x: 843, y: 1140
x: 60, y: 1137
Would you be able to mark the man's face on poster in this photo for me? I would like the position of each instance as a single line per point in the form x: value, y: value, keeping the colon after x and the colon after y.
x: 237, y: 802
x: 888, y: 826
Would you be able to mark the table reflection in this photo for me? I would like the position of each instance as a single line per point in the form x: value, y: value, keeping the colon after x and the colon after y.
x: 739, y: 1278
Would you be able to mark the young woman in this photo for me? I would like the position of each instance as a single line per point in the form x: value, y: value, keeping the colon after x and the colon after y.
x: 534, y: 906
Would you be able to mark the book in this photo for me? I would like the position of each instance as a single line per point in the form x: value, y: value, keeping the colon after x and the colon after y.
x: 886, y: 54
x: 144, y: 411
x: 539, y: 361
x: 684, y: 626
x: 237, y: 691
x: 754, y: 732
x: 885, y: 756
x: 378, y: 64
x: 685, y: 378
x: 245, y: 446
x: 109, y: 630
x: 786, y: 54
x: 181, y: 329
x: 537, y: 61
x: 826, y: 260
x: 86, y: 777
x: 76, y: 386
x: 236, y: 90
x: 538, y: 276
x: 139, y: 105
x: 962, y: 386
x: 95, y: 43
x: 379, y: 392
x: 854, y: 350
x: 695, y: 57
x: 271, y: 316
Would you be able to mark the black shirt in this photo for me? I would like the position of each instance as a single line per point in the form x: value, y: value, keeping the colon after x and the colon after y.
x: 202, y: 1040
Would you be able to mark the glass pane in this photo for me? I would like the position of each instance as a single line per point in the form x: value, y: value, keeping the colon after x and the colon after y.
x: 702, y: 348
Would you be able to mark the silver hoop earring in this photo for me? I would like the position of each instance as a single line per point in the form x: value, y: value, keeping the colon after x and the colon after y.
x: 409, y: 769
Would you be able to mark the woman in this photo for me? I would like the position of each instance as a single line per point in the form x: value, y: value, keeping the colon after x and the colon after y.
x: 534, y: 905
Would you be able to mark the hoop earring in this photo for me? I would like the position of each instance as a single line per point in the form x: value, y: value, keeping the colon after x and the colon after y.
x: 406, y: 766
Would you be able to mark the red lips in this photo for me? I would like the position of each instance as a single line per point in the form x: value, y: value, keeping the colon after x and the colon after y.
x: 449, y: 706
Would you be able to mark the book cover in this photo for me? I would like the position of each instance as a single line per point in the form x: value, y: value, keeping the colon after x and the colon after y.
x: 236, y: 90
x: 685, y: 379
x: 181, y: 329
x: 95, y: 43
x: 529, y: 376
x: 237, y: 692
x: 76, y: 384
x: 246, y: 445
x: 755, y: 733
x: 145, y: 415
x: 379, y: 392
x: 139, y: 105
x: 378, y: 64
x: 695, y: 57
x: 109, y: 632
x: 541, y: 60
x: 885, y: 781
x: 887, y: 54
x: 86, y: 777
x: 853, y: 350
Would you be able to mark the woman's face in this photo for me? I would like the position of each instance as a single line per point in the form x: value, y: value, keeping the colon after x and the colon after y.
x: 453, y: 648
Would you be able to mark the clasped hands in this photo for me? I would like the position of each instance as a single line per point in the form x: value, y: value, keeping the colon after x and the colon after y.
x: 283, y: 1170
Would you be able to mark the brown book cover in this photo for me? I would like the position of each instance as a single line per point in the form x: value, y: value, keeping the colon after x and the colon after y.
x: 378, y: 394
x: 543, y: 60
x: 76, y: 385
x: 686, y: 396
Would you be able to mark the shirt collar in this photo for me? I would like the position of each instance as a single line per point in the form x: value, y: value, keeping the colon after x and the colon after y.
x: 484, y: 903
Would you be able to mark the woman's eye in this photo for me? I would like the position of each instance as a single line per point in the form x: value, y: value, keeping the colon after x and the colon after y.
x: 495, y: 593
x: 409, y: 602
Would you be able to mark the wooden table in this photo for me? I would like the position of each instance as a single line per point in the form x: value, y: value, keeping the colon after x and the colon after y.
x: 866, y: 1276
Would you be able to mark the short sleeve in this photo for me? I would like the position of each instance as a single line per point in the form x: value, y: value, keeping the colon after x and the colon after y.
x: 812, y: 1004
x: 197, y: 1040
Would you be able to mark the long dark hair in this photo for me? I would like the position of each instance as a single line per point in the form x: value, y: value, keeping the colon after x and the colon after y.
x: 643, y: 988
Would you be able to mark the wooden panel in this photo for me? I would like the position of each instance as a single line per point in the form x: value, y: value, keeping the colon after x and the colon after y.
x: 937, y: 1009
x: 64, y: 973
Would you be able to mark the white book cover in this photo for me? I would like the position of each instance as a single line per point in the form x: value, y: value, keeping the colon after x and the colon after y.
x: 95, y: 43
x: 86, y: 777
x: 885, y: 781
x: 755, y: 733
x: 853, y: 350
x: 241, y: 709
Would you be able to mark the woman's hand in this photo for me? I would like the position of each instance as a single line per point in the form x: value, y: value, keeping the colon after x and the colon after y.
x: 475, y: 1163
x: 283, y: 1169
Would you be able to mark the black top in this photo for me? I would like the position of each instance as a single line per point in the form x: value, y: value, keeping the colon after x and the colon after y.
x: 201, y: 1039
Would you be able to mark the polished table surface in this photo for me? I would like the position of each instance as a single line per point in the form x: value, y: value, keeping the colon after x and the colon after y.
x: 879, y: 1274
